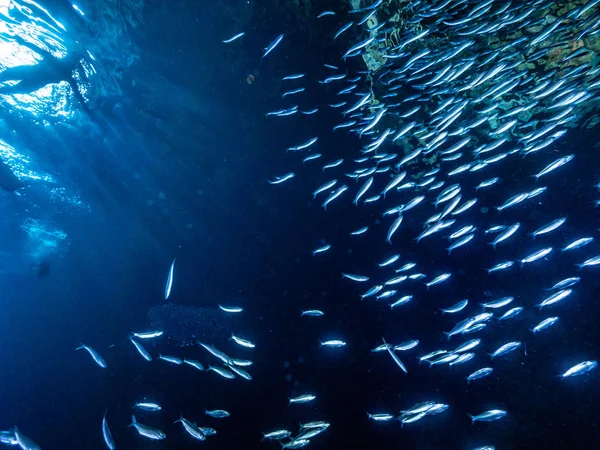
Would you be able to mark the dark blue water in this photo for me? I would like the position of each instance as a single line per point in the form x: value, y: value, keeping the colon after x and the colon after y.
x: 174, y: 164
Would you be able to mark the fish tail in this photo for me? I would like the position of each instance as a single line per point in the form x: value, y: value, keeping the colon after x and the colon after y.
x: 133, y: 421
x: 472, y: 418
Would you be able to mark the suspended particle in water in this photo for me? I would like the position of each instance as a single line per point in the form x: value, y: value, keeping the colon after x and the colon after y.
x: 288, y: 378
x: 286, y: 364
x: 485, y: 210
x: 161, y: 195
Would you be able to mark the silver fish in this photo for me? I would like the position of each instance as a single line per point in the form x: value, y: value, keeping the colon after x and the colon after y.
x: 142, y: 351
x: 144, y: 430
x: 94, y: 354
x: 107, y: 435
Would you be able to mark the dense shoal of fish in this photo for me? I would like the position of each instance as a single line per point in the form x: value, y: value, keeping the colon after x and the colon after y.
x: 436, y: 115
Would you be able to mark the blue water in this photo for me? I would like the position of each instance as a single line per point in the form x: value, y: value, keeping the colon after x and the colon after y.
x: 165, y: 154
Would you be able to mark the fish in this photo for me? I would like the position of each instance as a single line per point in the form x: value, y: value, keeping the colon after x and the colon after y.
x: 457, y: 307
x: 549, y: 227
x: 390, y: 260
x: 326, y: 13
x: 312, y: 313
x: 536, y: 255
x: 511, y: 313
x: 148, y: 334
x: 548, y: 322
x: 439, y: 279
x: 217, y: 413
x: 234, y: 37
x: 357, y: 278
x: 171, y: 359
x: 333, y: 343
x: 191, y: 428
x: 460, y: 242
x: 216, y: 353
x: 141, y: 350
x: 381, y: 417
x: 359, y: 231
x: 488, y: 416
x: 555, y: 298
x: 94, y: 354
x: 582, y: 242
x: 304, y: 145
x: 506, y: 348
x: 580, y: 369
x: 335, y: 194
x: 565, y: 283
x: 305, y: 398
x: 169, y: 280
x: 24, y: 442
x: 395, y: 357
x: 148, y: 432
x: 222, y: 372
x: 555, y: 165
x: 269, y: 48
x: 480, y: 373
x: 500, y: 303
x: 282, y: 178
x: 106, y: 434
x: 242, y: 342
x: 231, y: 309
x: 196, y: 364
x: 148, y: 406
x: 506, y: 234
x: 239, y: 372
x: 277, y: 435
x: 295, y: 76
x: 501, y: 266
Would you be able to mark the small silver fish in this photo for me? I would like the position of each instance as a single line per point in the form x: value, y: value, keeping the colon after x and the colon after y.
x: 170, y: 359
x: 457, y: 307
x: 107, y: 435
x: 312, y: 313
x: 148, y: 334
x: 242, y: 342
x: 169, y: 280
x: 148, y: 406
x: 146, y: 431
x: 141, y: 350
x: 223, y: 372
x: 277, y: 435
x: 231, y: 309
x: 488, y: 416
x: 544, y: 324
x: 484, y: 372
x: 302, y: 398
x: 196, y: 364
x: 217, y: 413
x: 580, y: 369
x: 94, y: 354
x: 333, y: 343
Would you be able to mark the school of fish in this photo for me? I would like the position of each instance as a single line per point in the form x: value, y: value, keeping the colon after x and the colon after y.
x: 454, y: 93
x: 447, y: 100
